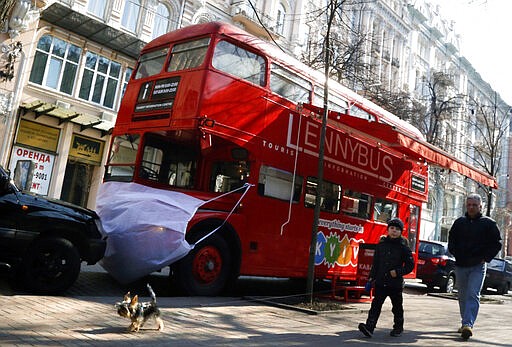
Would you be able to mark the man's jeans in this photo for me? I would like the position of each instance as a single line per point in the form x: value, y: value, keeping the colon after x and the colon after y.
x: 469, y: 283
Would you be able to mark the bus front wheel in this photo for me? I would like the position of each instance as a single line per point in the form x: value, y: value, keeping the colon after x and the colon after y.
x: 206, y: 269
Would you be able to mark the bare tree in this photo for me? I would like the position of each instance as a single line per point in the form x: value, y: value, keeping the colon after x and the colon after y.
x: 490, y: 124
x: 347, y: 41
x: 400, y: 103
x: 5, y: 8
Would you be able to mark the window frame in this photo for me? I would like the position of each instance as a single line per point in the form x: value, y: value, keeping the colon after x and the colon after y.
x: 160, y: 18
x: 107, y: 78
x: 97, y: 8
x: 50, y: 56
x: 128, y: 20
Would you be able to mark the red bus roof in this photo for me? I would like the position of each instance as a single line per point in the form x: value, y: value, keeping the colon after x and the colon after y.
x: 275, y: 54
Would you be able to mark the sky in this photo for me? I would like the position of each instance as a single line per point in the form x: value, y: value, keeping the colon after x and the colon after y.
x: 485, y: 36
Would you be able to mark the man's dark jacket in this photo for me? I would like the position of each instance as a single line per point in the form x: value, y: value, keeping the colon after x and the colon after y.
x: 472, y: 240
x: 391, y: 254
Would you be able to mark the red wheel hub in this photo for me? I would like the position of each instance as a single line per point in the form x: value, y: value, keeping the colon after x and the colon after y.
x: 207, y: 264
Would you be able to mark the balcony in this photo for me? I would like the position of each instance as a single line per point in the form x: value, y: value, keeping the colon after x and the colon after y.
x: 93, y: 29
x: 244, y: 14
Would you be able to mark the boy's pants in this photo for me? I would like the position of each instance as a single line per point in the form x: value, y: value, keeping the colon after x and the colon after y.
x: 380, y: 294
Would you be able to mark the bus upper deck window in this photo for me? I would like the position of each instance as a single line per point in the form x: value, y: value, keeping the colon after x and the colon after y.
x: 289, y: 84
x: 151, y: 63
x: 239, y: 62
x: 188, y: 55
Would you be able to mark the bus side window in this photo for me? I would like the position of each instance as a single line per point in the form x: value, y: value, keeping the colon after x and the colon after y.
x: 289, y: 85
x: 384, y: 210
x: 330, y: 198
x: 239, y: 62
x: 227, y: 176
x: 277, y: 183
x: 356, y: 204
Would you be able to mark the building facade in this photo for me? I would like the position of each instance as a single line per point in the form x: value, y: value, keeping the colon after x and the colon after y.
x: 67, y: 63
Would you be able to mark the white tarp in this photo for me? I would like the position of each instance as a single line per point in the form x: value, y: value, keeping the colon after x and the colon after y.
x: 145, y: 228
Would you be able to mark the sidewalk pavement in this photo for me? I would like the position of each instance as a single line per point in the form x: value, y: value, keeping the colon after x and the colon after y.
x: 222, y: 321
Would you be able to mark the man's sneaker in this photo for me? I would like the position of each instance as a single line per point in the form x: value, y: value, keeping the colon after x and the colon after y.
x: 396, y: 332
x: 365, y: 330
x: 466, y: 332
x: 460, y: 329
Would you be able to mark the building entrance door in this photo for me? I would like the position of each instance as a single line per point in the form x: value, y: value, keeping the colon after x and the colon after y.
x: 77, y: 183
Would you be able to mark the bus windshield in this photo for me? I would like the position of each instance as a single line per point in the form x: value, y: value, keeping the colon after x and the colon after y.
x: 122, y: 158
x: 188, y: 55
x: 151, y: 63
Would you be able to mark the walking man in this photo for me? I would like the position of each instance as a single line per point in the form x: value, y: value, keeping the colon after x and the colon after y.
x: 473, y: 240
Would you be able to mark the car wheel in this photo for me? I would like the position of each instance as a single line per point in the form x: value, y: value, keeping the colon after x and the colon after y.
x: 205, y: 271
x: 50, y: 266
x: 450, y: 284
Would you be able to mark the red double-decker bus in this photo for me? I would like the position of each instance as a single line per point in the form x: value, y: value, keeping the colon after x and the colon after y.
x: 210, y: 108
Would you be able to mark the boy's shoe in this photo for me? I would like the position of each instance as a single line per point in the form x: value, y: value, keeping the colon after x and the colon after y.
x: 365, y: 330
x: 396, y: 332
x: 466, y: 332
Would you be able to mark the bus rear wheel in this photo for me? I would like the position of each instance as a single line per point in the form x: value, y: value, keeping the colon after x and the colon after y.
x: 206, y: 269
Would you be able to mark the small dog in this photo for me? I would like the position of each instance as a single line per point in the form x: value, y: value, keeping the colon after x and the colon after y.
x: 139, y: 312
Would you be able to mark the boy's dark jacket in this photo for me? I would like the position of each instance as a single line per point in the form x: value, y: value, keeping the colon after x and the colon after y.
x: 391, y: 254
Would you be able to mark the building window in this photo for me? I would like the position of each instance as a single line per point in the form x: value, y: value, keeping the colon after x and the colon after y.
x: 127, y: 75
x: 161, y: 23
x: 100, y: 80
x: 131, y: 15
x: 55, y: 64
x: 97, y: 7
x: 281, y: 13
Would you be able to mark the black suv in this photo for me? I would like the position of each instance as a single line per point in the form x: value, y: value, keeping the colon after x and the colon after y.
x: 44, y: 241
x: 436, y: 266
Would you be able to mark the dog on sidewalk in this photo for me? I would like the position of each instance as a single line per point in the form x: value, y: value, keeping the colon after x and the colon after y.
x: 139, y: 312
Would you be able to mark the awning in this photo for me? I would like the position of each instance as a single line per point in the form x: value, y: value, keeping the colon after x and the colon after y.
x: 391, y: 136
x: 64, y: 115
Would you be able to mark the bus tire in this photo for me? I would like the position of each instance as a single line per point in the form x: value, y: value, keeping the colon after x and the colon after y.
x: 206, y: 270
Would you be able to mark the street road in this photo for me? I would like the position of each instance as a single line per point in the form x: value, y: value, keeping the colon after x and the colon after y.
x: 86, y: 316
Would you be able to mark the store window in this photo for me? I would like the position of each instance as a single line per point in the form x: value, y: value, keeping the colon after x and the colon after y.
x: 55, y: 64
x: 130, y: 15
x: 100, y: 80
x: 161, y: 23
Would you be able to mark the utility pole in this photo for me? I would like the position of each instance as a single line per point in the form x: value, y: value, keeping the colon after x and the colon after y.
x: 320, y: 170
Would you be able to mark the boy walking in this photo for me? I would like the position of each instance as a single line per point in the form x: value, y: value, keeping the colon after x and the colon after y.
x: 392, y: 260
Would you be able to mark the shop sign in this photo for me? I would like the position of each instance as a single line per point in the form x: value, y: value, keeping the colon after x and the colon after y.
x: 87, y: 149
x: 38, y: 135
x: 31, y: 169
